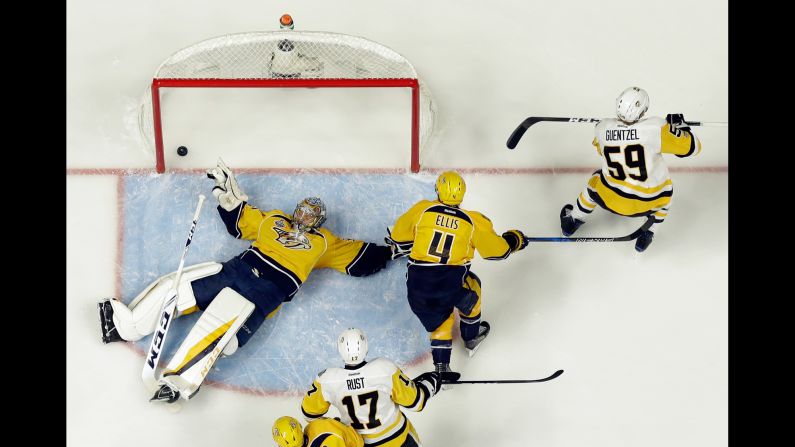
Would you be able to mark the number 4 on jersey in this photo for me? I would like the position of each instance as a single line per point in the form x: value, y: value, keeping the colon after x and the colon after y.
x: 444, y: 254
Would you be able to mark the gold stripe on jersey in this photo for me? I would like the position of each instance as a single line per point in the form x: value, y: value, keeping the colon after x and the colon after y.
x: 391, y: 431
x: 194, y: 353
x: 326, y: 432
x: 605, y: 182
x: 650, y: 191
x: 585, y: 203
x: 446, y: 235
x: 399, y: 438
x: 623, y: 203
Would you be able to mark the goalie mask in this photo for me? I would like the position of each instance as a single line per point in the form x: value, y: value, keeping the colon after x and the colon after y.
x: 287, y: 432
x: 309, y: 214
x: 352, y: 345
x: 450, y: 188
x: 631, y: 104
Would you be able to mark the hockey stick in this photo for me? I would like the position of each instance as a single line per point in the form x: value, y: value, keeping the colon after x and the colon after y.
x: 634, y: 235
x: 517, y: 134
x: 149, y: 373
x: 456, y: 382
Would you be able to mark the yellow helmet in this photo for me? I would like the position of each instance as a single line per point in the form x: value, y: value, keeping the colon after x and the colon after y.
x: 287, y: 432
x: 450, y: 188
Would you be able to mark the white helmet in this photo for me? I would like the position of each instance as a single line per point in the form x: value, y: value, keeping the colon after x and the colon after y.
x: 352, y: 345
x: 631, y: 104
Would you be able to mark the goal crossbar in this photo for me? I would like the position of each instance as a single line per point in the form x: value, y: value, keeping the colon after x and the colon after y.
x: 159, y: 83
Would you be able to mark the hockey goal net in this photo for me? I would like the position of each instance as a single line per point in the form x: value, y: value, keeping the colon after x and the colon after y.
x: 288, y: 59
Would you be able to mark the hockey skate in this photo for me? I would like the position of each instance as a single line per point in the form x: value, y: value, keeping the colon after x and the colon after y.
x: 474, y: 344
x: 165, y: 394
x: 108, y: 328
x: 568, y: 224
x: 442, y: 367
x: 643, y: 241
x: 446, y: 374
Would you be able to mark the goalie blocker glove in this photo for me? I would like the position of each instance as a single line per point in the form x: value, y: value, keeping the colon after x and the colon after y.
x: 226, y: 189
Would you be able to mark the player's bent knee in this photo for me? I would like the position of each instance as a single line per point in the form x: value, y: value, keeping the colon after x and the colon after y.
x: 445, y: 330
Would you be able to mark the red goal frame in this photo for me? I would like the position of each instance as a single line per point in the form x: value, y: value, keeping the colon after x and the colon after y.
x: 159, y: 83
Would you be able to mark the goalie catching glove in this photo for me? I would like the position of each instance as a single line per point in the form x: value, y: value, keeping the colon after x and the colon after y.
x: 515, y: 239
x: 226, y: 189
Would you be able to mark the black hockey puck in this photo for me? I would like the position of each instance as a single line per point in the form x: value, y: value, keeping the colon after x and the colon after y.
x: 182, y: 151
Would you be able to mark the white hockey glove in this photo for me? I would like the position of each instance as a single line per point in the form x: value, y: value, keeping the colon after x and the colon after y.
x: 226, y: 189
x: 398, y: 250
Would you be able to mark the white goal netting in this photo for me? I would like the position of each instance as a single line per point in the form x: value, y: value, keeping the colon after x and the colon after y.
x: 309, y: 57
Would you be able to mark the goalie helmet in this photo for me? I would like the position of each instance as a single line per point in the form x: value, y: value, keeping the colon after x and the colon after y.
x: 309, y: 214
x: 450, y: 188
x: 352, y: 345
x: 287, y: 432
x: 631, y: 104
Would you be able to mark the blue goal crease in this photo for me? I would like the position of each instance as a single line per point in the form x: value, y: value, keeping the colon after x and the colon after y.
x: 300, y: 340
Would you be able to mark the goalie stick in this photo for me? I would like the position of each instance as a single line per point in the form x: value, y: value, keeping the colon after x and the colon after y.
x: 456, y: 382
x: 150, y: 374
x: 632, y: 236
x: 517, y: 134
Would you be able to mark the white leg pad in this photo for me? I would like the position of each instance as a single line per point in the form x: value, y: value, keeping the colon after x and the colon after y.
x: 141, y: 317
x: 214, y: 330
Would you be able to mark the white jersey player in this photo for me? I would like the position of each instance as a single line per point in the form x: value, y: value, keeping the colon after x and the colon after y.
x: 634, y: 179
x: 369, y: 395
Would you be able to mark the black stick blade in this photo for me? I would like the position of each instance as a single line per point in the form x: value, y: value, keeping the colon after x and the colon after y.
x: 555, y: 374
x: 517, y: 134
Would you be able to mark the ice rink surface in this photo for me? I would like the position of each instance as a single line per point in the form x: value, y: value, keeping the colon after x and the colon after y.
x: 643, y: 338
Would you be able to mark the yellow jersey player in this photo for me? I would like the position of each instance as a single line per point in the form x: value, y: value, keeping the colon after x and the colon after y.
x: 323, y: 432
x: 239, y: 294
x: 368, y: 395
x: 440, y: 240
x: 634, y: 179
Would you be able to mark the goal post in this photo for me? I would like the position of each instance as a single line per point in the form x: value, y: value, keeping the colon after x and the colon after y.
x: 288, y: 59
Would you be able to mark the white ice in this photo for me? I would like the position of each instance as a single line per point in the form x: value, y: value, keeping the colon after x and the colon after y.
x: 643, y: 338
